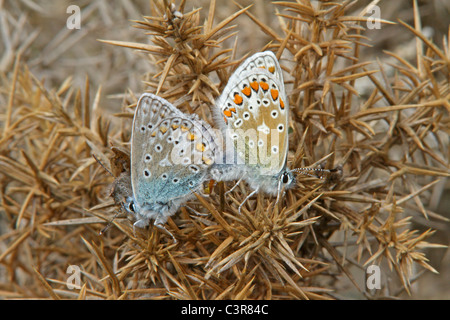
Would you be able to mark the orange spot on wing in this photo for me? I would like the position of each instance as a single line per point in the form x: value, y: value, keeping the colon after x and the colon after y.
x: 274, y: 93
x: 227, y: 113
x: 201, y: 147
x: 206, y: 160
x: 232, y: 110
x: 272, y: 69
x: 254, y: 85
x: 247, y: 91
x: 225, y: 119
x: 163, y: 129
x: 264, y: 85
x: 238, y: 99
x: 191, y: 136
x: 281, y: 104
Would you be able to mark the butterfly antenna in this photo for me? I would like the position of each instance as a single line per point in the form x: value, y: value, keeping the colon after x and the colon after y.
x: 106, y: 169
x: 109, y: 224
x: 306, y: 171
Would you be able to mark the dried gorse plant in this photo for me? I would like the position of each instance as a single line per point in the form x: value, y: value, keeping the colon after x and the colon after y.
x: 382, y: 128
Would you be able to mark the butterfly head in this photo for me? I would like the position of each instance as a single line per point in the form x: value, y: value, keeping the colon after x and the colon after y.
x: 273, y: 184
x: 285, y: 180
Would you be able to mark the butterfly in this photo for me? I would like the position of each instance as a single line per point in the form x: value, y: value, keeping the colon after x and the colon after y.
x: 171, y: 153
x: 253, y: 114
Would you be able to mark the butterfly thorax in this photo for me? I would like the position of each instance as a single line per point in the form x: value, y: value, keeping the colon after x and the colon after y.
x: 271, y: 184
x: 157, y: 211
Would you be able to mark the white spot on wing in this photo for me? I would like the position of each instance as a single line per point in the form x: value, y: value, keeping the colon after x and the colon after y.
x: 263, y: 128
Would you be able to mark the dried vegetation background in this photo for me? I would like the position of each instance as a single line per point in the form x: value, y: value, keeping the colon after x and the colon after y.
x: 373, y: 103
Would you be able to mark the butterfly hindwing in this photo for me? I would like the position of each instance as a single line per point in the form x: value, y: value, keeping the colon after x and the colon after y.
x: 264, y: 60
x: 170, y: 152
x: 255, y: 110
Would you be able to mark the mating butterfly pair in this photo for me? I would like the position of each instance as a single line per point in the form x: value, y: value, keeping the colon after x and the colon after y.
x: 172, y: 153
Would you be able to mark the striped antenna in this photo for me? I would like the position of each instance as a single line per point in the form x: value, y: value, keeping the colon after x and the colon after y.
x: 307, y: 171
x: 106, y: 169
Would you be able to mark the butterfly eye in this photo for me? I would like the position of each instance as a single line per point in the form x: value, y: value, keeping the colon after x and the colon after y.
x: 285, y: 178
x: 131, y: 207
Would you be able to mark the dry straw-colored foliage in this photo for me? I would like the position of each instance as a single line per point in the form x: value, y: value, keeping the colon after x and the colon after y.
x: 383, y: 126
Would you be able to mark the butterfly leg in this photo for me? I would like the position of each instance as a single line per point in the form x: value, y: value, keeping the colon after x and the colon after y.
x: 141, y: 223
x: 196, y: 212
x: 234, y: 187
x: 248, y: 197
x: 280, y: 192
x: 203, y: 194
x: 160, y: 224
